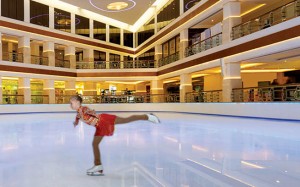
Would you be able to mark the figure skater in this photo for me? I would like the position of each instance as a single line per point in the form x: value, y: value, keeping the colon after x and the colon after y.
x: 104, y: 124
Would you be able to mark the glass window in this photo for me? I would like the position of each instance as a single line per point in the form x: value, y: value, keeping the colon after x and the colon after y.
x: 167, y: 14
x: 114, y: 35
x: 13, y: 9
x: 189, y: 4
x: 82, y: 26
x: 148, y: 55
x: 114, y: 57
x: 99, y: 56
x: 62, y: 20
x: 39, y: 14
x: 99, y: 31
x: 146, y: 32
x: 128, y: 38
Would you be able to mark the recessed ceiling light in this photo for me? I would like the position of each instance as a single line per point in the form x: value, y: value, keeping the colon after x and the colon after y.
x: 117, y: 6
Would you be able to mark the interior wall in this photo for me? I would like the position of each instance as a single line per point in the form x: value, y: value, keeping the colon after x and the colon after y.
x: 252, y: 79
x: 213, y: 82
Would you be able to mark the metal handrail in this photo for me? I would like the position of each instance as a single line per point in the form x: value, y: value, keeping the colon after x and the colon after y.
x: 12, y: 56
x: 268, y: 19
x: 116, y: 64
x: 39, y: 60
x: 204, y: 45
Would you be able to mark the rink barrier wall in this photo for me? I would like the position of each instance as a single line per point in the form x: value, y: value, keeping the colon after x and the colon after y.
x: 281, y: 111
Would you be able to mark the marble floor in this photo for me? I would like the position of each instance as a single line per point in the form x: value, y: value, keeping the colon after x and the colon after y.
x: 185, y: 150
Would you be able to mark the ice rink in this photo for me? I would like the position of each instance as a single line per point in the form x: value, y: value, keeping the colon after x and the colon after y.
x: 185, y: 150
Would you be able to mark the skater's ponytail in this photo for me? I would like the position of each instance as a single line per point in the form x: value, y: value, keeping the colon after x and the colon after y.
x: 77, y: 98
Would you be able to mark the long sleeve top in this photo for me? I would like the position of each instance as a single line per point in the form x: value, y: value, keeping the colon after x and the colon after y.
x: 87, y: 115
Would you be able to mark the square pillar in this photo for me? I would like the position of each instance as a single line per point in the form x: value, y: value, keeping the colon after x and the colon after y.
x: 231, y: 73
x: 1, y: 92
x: 122, y: 62
x: 73, y: 25
x: 91, y: 28
x: 51, y: 17
x: 27, y: 11
x: 157, y: 53
x: 88, y: 55
x: 50, y: 91
x: 107, y: 60
x: 231, y: 18
x: 70, y: 88
x: 24, y: 89
x: 185, y: 86
x: 24, y: 48
x: 48, y: 51
x: 70, y: 56
x: 184, y: 42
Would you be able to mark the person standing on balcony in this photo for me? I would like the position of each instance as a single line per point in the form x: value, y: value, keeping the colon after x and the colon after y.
x: 104, y: 124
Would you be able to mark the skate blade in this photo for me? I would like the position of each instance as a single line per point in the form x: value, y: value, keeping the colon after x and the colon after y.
x: 95, y: 174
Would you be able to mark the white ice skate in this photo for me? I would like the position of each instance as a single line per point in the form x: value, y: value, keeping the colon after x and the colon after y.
x: 153, y: 118
x: 95, y: 171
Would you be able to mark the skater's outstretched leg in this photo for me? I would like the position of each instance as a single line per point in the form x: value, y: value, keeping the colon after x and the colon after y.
x: 149, y: 117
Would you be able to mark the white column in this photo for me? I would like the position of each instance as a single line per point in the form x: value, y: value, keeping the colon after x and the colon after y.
x: 70, y: 88
x: 122, y: 37
x: 27, y: 11
x: 157, y: 53
x: 48, y: 51
x: 24, y: 89
x: 184, y: 42
x: 73, y: 21
x: 134, y: 40
x: 0, y: 42
x: 122, y: 61
x: 88, y: 55
x: 91, y: 28
x: 157, y: 87
x: 107, y: 60
x: 181, y: 7
x: 155, y: 22
x: 49, y: 90
x: 70, y: 56
x: 185, y: 86
x: 231, y: 18
x: 107, y: 33
x: 51, y: 17
x: 231, y: 73
x: 24, y: 48
x: 1, y: 93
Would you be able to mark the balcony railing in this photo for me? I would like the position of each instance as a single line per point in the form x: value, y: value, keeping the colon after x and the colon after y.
x: 204, y: 45
x: 116, y: 64
x: 267, y: 94
x: 39, y: 99
x: 62, y: 63
x: 12, y: 99
x: 204, y: 97
x: 168, y: 59
x: 269, y: 19
x: 39, y: 60
x: 12, y: 57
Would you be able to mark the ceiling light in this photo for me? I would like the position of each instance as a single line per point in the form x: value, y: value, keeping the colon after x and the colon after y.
x: 117, y: 6
x: 251, y: 10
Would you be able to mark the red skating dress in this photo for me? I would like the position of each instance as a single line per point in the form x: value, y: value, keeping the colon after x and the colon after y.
x: 104, y: 123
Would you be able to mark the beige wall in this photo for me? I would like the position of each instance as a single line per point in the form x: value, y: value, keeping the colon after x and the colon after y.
x: 213, y: 82
x: 251, y: 79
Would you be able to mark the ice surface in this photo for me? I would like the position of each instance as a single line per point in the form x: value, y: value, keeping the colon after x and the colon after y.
x: 185, y: 150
